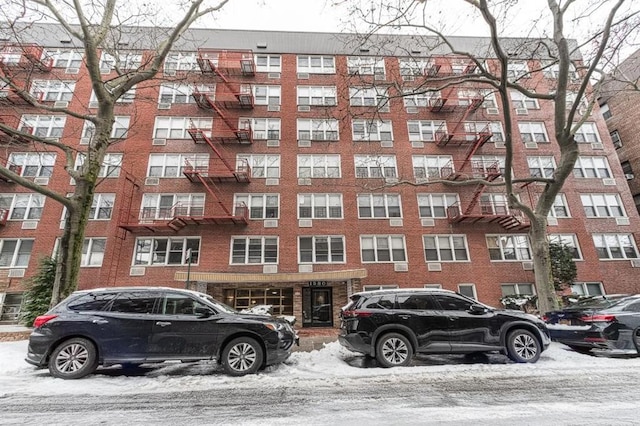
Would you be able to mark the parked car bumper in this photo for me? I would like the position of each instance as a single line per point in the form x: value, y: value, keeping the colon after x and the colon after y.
x: 38, y: 349
x: 355, y: 343
x: 279, y: 349
x: 598, y: 340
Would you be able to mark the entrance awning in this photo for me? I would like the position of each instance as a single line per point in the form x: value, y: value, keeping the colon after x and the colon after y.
x: 225, y: 277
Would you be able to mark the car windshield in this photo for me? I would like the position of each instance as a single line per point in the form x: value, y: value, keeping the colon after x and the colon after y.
x: 598, y: 302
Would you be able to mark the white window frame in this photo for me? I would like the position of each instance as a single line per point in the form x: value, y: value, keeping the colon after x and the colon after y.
x: 126, y: 98
x: 331, y: 246
x: 171, y: 165
x: 436, y: 202
x: 446, y: 247
x: 393, y: 245
x: 53, y: 90
x: 154, y: 207
x: 533, y: 131
x: 260, y: 206
x: 488, y: 96
x: 604, y: 243
x: 318, y: 129
x: 587, y: 133
x: 268, y: 62
x: 425, y: 130
x: 559, y: 204
x: 65, y: 58
x: 375, y: 166
x: 263, y: 166
x: 592, y: 167
x: 30, y: 204
x: 265, y: 243
x: 102, y: 202
x: 581, y: 288
x: 615, y: 138
x: 567, y: 240
x: 120, y: 129
x: 379, y: 287
x: 366, y: 65
x: 93, y: 249
x: 317, y: 95
x: 430, y: 165
x: 474, y: 293
x: 415, y: 67
x: 263, y: 128
x: 520, y: 101
x: 320, y: 206
x: 44, y: 126
x: 368, y: 96
x: 420, y: 99
x: 484, y: 161
x: 517, y: 243
x: 604, y: 205
x: 111, y: 165
x: 518, y: 289
x: 180, y: 93
x: 316, y: 64
x: 42, y: 162
x: 266, y: 94
x: 181, y: 61
x: 389, y: 204
x: 372, y: 130
x: 517, y: 70
x: 18, y: 257
x: 125, y: 61
x: 152, y: 257
x: 541, y: 165
x: 170, y: 127
x: 322, y: 166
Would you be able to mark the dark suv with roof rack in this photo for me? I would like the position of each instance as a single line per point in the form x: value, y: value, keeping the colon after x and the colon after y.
x: 136, y: 325
x: 393, y: 325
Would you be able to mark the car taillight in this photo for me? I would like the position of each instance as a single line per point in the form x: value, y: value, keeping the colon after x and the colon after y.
x: 598, y: 318
x: 42, y: 320
x: 356, y: 314
x: 545, y: 318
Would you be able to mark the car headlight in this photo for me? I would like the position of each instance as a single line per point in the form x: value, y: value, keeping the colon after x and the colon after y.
x: 275, y: 326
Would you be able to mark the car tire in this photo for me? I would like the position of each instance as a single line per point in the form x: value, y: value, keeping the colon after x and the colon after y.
x: 73, y: 359
x: 523, y: 346
x: 242, y: 355
x: 393, y: 350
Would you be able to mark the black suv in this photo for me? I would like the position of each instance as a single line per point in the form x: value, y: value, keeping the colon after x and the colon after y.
x: 136, y: 325
x: 392, y: 325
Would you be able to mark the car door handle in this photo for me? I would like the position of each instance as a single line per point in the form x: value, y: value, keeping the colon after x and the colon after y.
x: 405, y: 316
x: 100, y: 321
x: 452, y: 318
x: 163, y: 323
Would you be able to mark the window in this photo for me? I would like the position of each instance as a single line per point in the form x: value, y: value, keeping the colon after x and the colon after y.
x: 542, y: 166
x: 316, y: 64
x: 254, y: 250
x: 431, y: 166
x: 263, y: 128
x: 445, y: 248
x: 627, y: 170
x: 414, y: 66
x: 176, y: 127
x: 433, y: 286
x: 587, y: 133
x: 119, y: 130
x: 319, y: 166
x: 102, y: 206
x: 435, y: 205
x: 70, y: 60
x: 376, y: 206
x: 422, y: 302
x: 379, y: 287
x: 468, y: 96
x: 418, y: 98
x: 93, y: 251
x: 615, y: 246
x: 33, y: 164
x: 368, y: 96
x: 615, y: 137
x: 320, y: 206
x: 168, y: 206
x: 91, y: 302
x: 127, y: 97
x: 605, y: 111
x: 317, y: 95
x: 473, y: 129
x: 123, y: 62
x: 602, y: 205
x: 135, y: 302
x: 110, y: 166
x: 181, y: 61
x: 494, y: 204
x: 517, y: 289
x: 378, y: 166
x: 533, y: 132
x: 321, y: 249
x: 552, y: 70
x: 517, y: 70
x: 53, y: 90
x: 487, y: 163
x: 166, y: 251
x: 261, y: 206
x: 366, y: 65
x: 280, y: 299
x: 560, y: 207
x: 425, y: 131
x: 587, y: 289
x: 172, y: 165
x: 266, y: 95
x: 468, y: 290
x: 382, y: 248
x: 452, y: 303
x: 567, y: 240
x: 318, y: 129
x: 262, y: 165
x: 372, y: 130
x: 268, y: 63
x: 22, y: 206
x: 15, y: 253
x: 43, y: 126
x: 178, y: 304
x: 522, y: 102
x: 591, y: 167
x: 179, y: 93
x: 508, y: 247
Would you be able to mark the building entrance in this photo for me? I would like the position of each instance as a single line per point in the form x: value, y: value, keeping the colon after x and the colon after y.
x: 317, y: 307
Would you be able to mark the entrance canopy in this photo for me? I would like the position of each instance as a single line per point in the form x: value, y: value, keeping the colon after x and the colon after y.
x: 225, y: 277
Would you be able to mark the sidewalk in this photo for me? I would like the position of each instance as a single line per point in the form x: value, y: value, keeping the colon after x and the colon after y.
x: 310, y: 338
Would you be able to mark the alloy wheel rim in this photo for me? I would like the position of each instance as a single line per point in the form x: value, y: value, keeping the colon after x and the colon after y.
x: 242, y: 357
x: 525, y: 346
x: 395, y: 351
x: 72, y: 358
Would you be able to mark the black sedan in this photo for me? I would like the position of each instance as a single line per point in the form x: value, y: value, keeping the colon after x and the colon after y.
x: 603, y: 325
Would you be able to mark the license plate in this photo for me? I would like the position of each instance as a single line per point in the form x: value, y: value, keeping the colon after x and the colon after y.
x: 564, y: 322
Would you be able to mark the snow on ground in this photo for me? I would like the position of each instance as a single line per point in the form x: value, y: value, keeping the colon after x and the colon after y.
x: 332, y: 364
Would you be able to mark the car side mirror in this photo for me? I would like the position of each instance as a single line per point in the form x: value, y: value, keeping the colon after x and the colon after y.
x: 203, y: 312
x: 477, y: 309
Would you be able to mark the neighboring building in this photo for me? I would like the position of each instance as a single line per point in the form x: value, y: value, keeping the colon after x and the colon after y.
x: 260, y: 168
x: 619, y: 100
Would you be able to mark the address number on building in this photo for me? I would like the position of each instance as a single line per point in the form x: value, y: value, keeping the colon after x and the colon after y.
x: 318, y: 283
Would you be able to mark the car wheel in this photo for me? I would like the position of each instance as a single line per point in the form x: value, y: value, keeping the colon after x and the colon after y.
x: 73, y: 359
x: 393, y: 350
x: 241, y: 356
x: 522, y: 346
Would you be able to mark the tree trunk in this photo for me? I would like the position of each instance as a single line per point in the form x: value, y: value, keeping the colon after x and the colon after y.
x: 547, y: 300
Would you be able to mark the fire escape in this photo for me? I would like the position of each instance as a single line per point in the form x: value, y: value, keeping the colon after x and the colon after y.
x: 482, y: 207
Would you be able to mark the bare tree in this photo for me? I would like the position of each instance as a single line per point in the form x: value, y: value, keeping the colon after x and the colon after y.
x: 493, y: 68
x: 93, y: 28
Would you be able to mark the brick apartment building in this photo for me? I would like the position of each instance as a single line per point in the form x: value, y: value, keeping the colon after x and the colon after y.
x: 619, y: 106
x: 260, y: 168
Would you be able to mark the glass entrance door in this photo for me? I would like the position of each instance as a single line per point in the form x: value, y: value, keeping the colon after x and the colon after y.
x: 317, y: 307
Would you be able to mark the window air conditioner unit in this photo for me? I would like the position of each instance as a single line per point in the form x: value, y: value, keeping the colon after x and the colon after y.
x: 170, y: 72
x: 85, y: 141
x: 30, y: 224
x: 386, y: 144
x: 303, y: 108
x: 60, y: 104
x: 305, y: 268
x: 272, y: 182
x: 273, y: 108
x: 93, y: 104
x: 73, y: 70
x: 303, y: 76
x: 41, y: 180
x: 522, y: 111
x: 428, y: 221
x: 270, y: 269
x: 152, y: 181
x: 499, y: 144
x: 105, y: 70
x: 434, y: 266
x: 609, y: 182
x: 271, y: 223
x: 531, y: 145
x: 273, y: 75
x: 635, y: 263
x: 16, y: 273
x: 596, y: 146
x: 401, y: 267
x: 159, y: 142
x: 622, y: 221
x: 304, y: 181
x: 164, y: 105
x: 305, y: 223
x: 412, y: 110
x: 492, y: 111
x: 379, y: 76
x: 552, y: 221
x: 137, y: 271
x: 417, y: 144
x: 273, y: 143
x: 408, y: 78
x: 304, y: 143
x: 527, y: 266
x: 395, y: 222
x: 629, y: 176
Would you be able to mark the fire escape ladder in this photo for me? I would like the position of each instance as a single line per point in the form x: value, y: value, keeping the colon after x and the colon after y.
x: 210, y: 190
x: 129, y: 187
x: 199, y: 136
x: 476, y: 197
